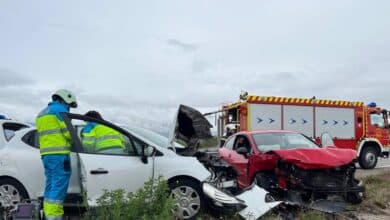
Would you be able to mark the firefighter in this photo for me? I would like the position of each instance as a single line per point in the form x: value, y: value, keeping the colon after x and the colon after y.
x: 55, y: 145
x: 98, y: 138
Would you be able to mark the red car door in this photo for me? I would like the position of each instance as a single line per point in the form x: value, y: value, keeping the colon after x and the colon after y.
x: 237, y: 161
x: 225, y: 152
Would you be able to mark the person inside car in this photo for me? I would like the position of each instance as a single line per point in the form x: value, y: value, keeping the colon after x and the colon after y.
x: 98, y: 138
x: 242, y: 142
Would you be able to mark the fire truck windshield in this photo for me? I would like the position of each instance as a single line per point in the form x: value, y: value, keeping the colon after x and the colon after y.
x: 377, y: 119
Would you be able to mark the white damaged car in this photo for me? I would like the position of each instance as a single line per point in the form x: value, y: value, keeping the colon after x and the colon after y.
x: 148, y: 155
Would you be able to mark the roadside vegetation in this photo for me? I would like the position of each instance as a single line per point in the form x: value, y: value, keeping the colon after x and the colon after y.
x: 377, y: 200
x: 152, y: 202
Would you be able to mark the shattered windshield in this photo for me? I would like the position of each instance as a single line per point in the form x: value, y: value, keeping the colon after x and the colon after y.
x: 280, y: 141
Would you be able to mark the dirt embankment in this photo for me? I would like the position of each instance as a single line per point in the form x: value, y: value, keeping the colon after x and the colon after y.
x: 360, y: 173
x: 376, y: 204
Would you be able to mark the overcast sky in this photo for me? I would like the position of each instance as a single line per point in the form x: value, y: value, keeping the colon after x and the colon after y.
x: 136, y: 61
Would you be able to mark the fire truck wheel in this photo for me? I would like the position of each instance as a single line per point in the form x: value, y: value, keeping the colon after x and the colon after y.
x: 368, y: 157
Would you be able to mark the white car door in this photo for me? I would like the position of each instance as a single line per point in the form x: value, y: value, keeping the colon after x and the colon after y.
x: 111, y: 169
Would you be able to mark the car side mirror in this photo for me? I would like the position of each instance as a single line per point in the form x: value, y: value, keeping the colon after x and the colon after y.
x: 243, y: 151
x: 144, y: 159
x: 327, y: 140
x: 147, y: 151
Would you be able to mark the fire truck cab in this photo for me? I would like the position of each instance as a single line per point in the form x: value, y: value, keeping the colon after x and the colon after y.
x: 353, y: 125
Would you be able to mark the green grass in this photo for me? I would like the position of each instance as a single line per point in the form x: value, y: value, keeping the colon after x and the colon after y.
x: 152, y: 202
x: 377, y: 194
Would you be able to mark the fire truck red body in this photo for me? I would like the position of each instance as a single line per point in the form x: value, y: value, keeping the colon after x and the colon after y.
x: 352, y: 124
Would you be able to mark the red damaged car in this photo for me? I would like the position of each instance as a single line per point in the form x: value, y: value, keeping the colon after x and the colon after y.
x: 292, y: 167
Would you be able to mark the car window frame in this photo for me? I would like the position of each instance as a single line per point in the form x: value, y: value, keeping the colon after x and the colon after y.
x: 28, y: 135
x: 77, y: 144
x: 231, y: 138
x: 4, y: 127
x: 247, y: 140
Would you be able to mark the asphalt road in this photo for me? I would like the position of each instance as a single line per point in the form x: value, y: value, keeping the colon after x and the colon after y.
x: 383, y: 163
x: 383, y: 166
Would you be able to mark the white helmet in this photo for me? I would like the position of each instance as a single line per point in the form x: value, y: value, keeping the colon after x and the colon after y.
x: 67, y: 96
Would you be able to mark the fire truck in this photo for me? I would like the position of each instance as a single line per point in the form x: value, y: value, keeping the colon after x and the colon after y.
x: 353, y: 125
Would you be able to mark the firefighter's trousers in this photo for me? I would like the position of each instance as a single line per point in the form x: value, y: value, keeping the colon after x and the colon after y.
x: 57, y: 172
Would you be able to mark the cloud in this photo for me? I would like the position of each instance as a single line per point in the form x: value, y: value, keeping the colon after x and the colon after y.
x: 199, y: 66
x: 71, y: 27
x: 12, y: 78
x: 327, y: 50
x: 186, y: 47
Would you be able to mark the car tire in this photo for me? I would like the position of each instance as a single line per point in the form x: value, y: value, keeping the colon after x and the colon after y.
x: 189, y: 198
x: 354, y: 197
x: 265, y: 180
x: 368, y: 157
x: 11, y: 192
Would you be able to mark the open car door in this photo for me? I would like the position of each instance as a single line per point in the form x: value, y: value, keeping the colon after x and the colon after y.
x: 109, y: 169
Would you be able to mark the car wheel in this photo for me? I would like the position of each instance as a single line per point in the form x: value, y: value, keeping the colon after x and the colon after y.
x: 368, y: 158
x: 354, y: 197
x: 188, y: 197
x: 11, y: 192
x: 265, y: 180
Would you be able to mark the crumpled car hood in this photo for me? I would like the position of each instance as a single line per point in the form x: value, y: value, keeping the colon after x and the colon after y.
x: 189, y: 126
x: 317, y: 158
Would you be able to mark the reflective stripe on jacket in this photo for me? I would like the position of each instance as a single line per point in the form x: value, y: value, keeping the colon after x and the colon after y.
x: 97, y: 137
x: 54, y: 137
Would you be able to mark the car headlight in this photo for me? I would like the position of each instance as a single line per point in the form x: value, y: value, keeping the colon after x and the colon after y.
x: 220, y: 196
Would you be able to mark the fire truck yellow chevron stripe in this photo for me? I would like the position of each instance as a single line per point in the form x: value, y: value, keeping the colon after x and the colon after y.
x: 290, y: 100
